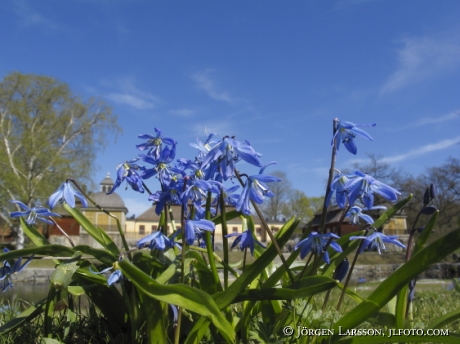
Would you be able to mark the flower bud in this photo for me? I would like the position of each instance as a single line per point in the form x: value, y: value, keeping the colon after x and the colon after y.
x: 428, y: 210
x: 432, y: 190
x: 341, y: 270
x: 426, y: 196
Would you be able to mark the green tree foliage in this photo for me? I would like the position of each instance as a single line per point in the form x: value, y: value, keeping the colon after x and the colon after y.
x: 47, y: 134
x: 301, y: 206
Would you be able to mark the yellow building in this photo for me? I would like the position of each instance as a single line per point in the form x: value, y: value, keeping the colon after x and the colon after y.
x: 112, y: 203
x: 147, y: 223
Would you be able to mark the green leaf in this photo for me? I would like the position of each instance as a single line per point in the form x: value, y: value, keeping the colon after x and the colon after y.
x: 89, y: 276
x: 310, y: 286
x: 35, y: 236
x: 427, y: 230
x: 180, y: 295
x: 97, y: 233
x: 228, y: 216
x: 77, y: 290
x: 445, y: 319
x: 351, y: 294
x: 390, y: 212
x: 46, y: 250
x: 102, y: 255
x: 205, y: 275
x: 402, y: 297
x: 383, y: 319
x: 62, y: 275
x: 224, y: 299
x: 456, y: 283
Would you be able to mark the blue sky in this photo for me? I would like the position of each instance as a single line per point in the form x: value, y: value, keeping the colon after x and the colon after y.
x: 275, y: 73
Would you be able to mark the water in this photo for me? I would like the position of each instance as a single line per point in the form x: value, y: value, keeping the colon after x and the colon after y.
x: 29, y: 292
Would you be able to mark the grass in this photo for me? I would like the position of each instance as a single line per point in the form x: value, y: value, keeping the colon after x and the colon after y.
x: 430, y: 302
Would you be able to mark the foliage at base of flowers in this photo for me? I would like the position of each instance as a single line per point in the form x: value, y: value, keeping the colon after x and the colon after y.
x: 173, y: 288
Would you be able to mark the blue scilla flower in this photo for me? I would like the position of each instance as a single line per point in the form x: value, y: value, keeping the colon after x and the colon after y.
x: 175, y: 313
x: 204, y: 146
x: 378, y: 240
x: 194, y: 228
x: 363, y: 186
x: 246, y: 239
x: 338, y: 187
x: 161, y: 168
x: 7, y: 270
x: 114, y: 277
x: 157, y: 240
x: 316, y: 243
x: 66, y: 193
x: 346, y: 133
x: 129, y: 171
x: 228, y: 152
x: 196, y: 192
x: 154, y: 143
x: 33, y: 214
x: 341, y: 270
x: 228, y: 194
x: 161, y: 198
x: 355, y: 213
x: 255, y: 190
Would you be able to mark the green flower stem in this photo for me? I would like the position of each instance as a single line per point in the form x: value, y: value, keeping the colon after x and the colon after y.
x: 269, y: 232
x: 224, y: 238
x: 329, y: 180
x: 120, y: 230
x: 216, y: 258
x: 408, y: 256
x: 209, y: 244
x: 62, y: 231
x: 299, y: 276
x: 347, y: 281
x: 182, y: 264
x: 342, y: 217
x: 244, y: 257
x: 411, y: 238
x: 171, y: 216
x: 177, y: 330
x: 146, y: 188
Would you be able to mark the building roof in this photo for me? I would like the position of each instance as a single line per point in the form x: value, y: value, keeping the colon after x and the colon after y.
x: 112, y: 202
x: 109, y: 202
x: 150, y: 216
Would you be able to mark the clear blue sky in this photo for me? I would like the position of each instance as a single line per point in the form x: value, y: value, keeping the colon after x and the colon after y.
x: 275, y: 73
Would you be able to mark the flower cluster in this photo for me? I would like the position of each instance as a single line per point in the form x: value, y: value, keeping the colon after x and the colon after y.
x: 190, y: 182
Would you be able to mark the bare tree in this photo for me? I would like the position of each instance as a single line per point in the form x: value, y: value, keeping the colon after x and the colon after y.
x: 272, y: 207
x: 46, y: 135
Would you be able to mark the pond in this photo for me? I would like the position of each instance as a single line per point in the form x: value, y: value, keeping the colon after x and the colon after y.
x: 29, y: 292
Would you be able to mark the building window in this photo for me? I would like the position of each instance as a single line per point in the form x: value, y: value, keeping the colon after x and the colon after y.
x: 258, y: 231
x: 235, y: 229
x: 141, y: 229
x: 154, y: 228
x: 275, y: 229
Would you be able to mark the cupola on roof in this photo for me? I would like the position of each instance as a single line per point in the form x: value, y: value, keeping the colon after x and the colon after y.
x: 112, y: 202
